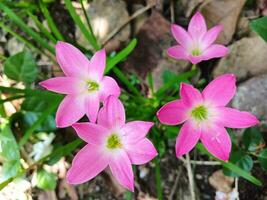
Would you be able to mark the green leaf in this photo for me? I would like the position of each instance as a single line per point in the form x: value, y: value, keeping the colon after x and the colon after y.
x: 263, y: 159
x: 232, y: 167
x: 46, y: 180
x: 176, y: 80
x: 21, y: 67
x: 9, y: 151
x: 47, y: 125
x: 260, y: 27
x: 111, y: 62
x: 87, y: 33
x: 172, y: 131
x: 241, y: 160
x: 252, y: 139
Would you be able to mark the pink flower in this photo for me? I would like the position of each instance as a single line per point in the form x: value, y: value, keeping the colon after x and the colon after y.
x: 204, y: 116
x: 84, y: 84
x: 196, y: 44
x: 113, y: 143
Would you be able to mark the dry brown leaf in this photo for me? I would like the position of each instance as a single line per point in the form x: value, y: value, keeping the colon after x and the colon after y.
x: 221, y: 182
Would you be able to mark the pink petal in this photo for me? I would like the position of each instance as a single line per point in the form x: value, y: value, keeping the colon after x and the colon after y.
x: 217, y: 141
x: 211, y: 36
x: 97, y: 65
x: 64, y: 85
x: 221, y: 90
x: 71, y: 60
x: 196, y: 59
x: 135, y: 130
x: 180, y: 35
x: 112, y: 114
x: 197, y: 26
x: 190, y: 95
x: 91, y: 133
x: 177, y: 52
x: 215, y: 51
x: 187, y: 138
x: 121, y: 168
x: 233, y: 118
x: 173, y: 113
x: 109, y: 87
x: 141, y: 152
x: 70, y: 110
x: 87, y: 164
x: 92, y: 104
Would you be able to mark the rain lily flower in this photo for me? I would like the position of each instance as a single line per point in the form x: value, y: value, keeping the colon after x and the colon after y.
x: 84, y: 84
x: 196, y: 45
x: 204, y: 116
x: 113, y: 143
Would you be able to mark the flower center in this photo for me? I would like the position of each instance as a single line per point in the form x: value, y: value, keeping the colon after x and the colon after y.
x: 200, y: 113
x: 196, y: 52
x: 92, y: 86
x: 114, y: 142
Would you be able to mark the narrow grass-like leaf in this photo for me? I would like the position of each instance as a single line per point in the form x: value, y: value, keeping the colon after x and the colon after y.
x: 13, y: 17
x: 232, y: 167
x: 124, y: 80
x: 50, y: 21
x: 111, y: 62
x: 88, y: 35
x: 42, y: 28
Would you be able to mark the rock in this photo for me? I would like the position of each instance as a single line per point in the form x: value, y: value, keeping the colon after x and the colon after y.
x: 189, y: 6
x: 221, y: 182
x: 247, y: 57
x: 150, y: 54
x: 105, y: 16
x: 225, y: 12
x: 14, y: 46
x: 251, y: 96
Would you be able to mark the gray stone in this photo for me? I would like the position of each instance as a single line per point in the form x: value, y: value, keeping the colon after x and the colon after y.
x: 247, y: 57
x: 252, y: 97
x: 105, y: 16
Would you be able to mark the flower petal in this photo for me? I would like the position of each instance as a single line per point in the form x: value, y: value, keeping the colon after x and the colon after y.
x: 233, y: 118
x: 97, y: 65
x: 217, y: 141
x: 141, y: 152
x: 71, y: 60
x: 173, y: 113
x: 64, y: 85
x: 177, y: 52
x: 135, y: 131
x: 180, y: 35
x: 91, y: 133
x: 92, y: 104
x: 197, y: 26
x: 215, y: 51
x: 112, y: 114
x: 70, y: 110
x: 211, y: 35
x: 190, y: 95
x: 221, y: 90
x: 109, y: 87
x: 121, y: 169
x: 196, y: 59
x: 187, y: 138
x: 87, y: 164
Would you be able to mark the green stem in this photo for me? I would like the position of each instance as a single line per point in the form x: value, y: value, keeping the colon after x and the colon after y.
x: 194, y: 67
x: 158, y: 179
